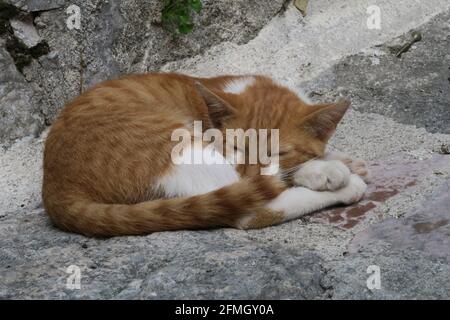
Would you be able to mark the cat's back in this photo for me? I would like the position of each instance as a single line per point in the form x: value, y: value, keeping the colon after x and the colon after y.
x: 165, y: 93
x: 125, y: 104
x: 118, y: 128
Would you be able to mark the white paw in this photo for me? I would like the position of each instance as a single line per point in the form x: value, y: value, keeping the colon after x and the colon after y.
x: 320, y: 175
x: 360, y: 168
x: 355, y: 165
x: 353, y: 192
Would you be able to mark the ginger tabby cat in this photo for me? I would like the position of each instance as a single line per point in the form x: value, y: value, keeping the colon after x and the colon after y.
x: 108, y: 167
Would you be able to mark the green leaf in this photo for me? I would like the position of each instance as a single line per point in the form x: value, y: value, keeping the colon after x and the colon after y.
x: 185, y: 28
x: 196, y: 5
x: 184, y: 17
x: 177, y: 15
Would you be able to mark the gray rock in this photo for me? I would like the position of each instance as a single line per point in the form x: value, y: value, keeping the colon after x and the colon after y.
x: 403, y: 275
x: 426, y: 229
x: 25, y: 32
x: 412, y: 253
x: 169, y: 265
x: 18, y: 117
x: 116, y: 37
x: 37, y: 5
x: 413, y: 89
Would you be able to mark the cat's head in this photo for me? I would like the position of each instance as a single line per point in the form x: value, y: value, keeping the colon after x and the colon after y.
x: 303, y: 129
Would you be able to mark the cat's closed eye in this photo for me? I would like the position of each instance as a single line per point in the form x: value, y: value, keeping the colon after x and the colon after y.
x: 282, y: 153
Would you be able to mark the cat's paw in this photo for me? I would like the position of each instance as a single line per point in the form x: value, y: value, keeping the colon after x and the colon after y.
x: 322, y: 175
x: 353, y: 192
x: 356, y: 166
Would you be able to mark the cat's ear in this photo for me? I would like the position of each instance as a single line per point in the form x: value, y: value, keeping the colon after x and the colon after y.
x: 218, y: 108
x: 322, y: 122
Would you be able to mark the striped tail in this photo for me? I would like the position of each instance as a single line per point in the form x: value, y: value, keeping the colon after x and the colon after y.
x: 223, y: 207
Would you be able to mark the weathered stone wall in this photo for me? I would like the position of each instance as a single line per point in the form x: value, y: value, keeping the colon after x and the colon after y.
x: 44, y: 63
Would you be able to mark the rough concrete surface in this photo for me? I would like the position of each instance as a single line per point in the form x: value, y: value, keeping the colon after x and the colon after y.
x: 399, y: 123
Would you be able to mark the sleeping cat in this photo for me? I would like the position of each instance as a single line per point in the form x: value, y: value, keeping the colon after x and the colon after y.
x: 108, y: 168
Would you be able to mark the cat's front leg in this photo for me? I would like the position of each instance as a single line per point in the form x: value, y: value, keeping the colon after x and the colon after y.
x: 299, y: 201
x: 331, y: 172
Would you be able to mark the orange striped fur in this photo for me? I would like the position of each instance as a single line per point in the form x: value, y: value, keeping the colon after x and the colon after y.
x: 110, y: 146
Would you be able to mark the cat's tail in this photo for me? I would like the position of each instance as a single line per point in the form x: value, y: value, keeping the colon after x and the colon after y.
x: 227, y: 206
